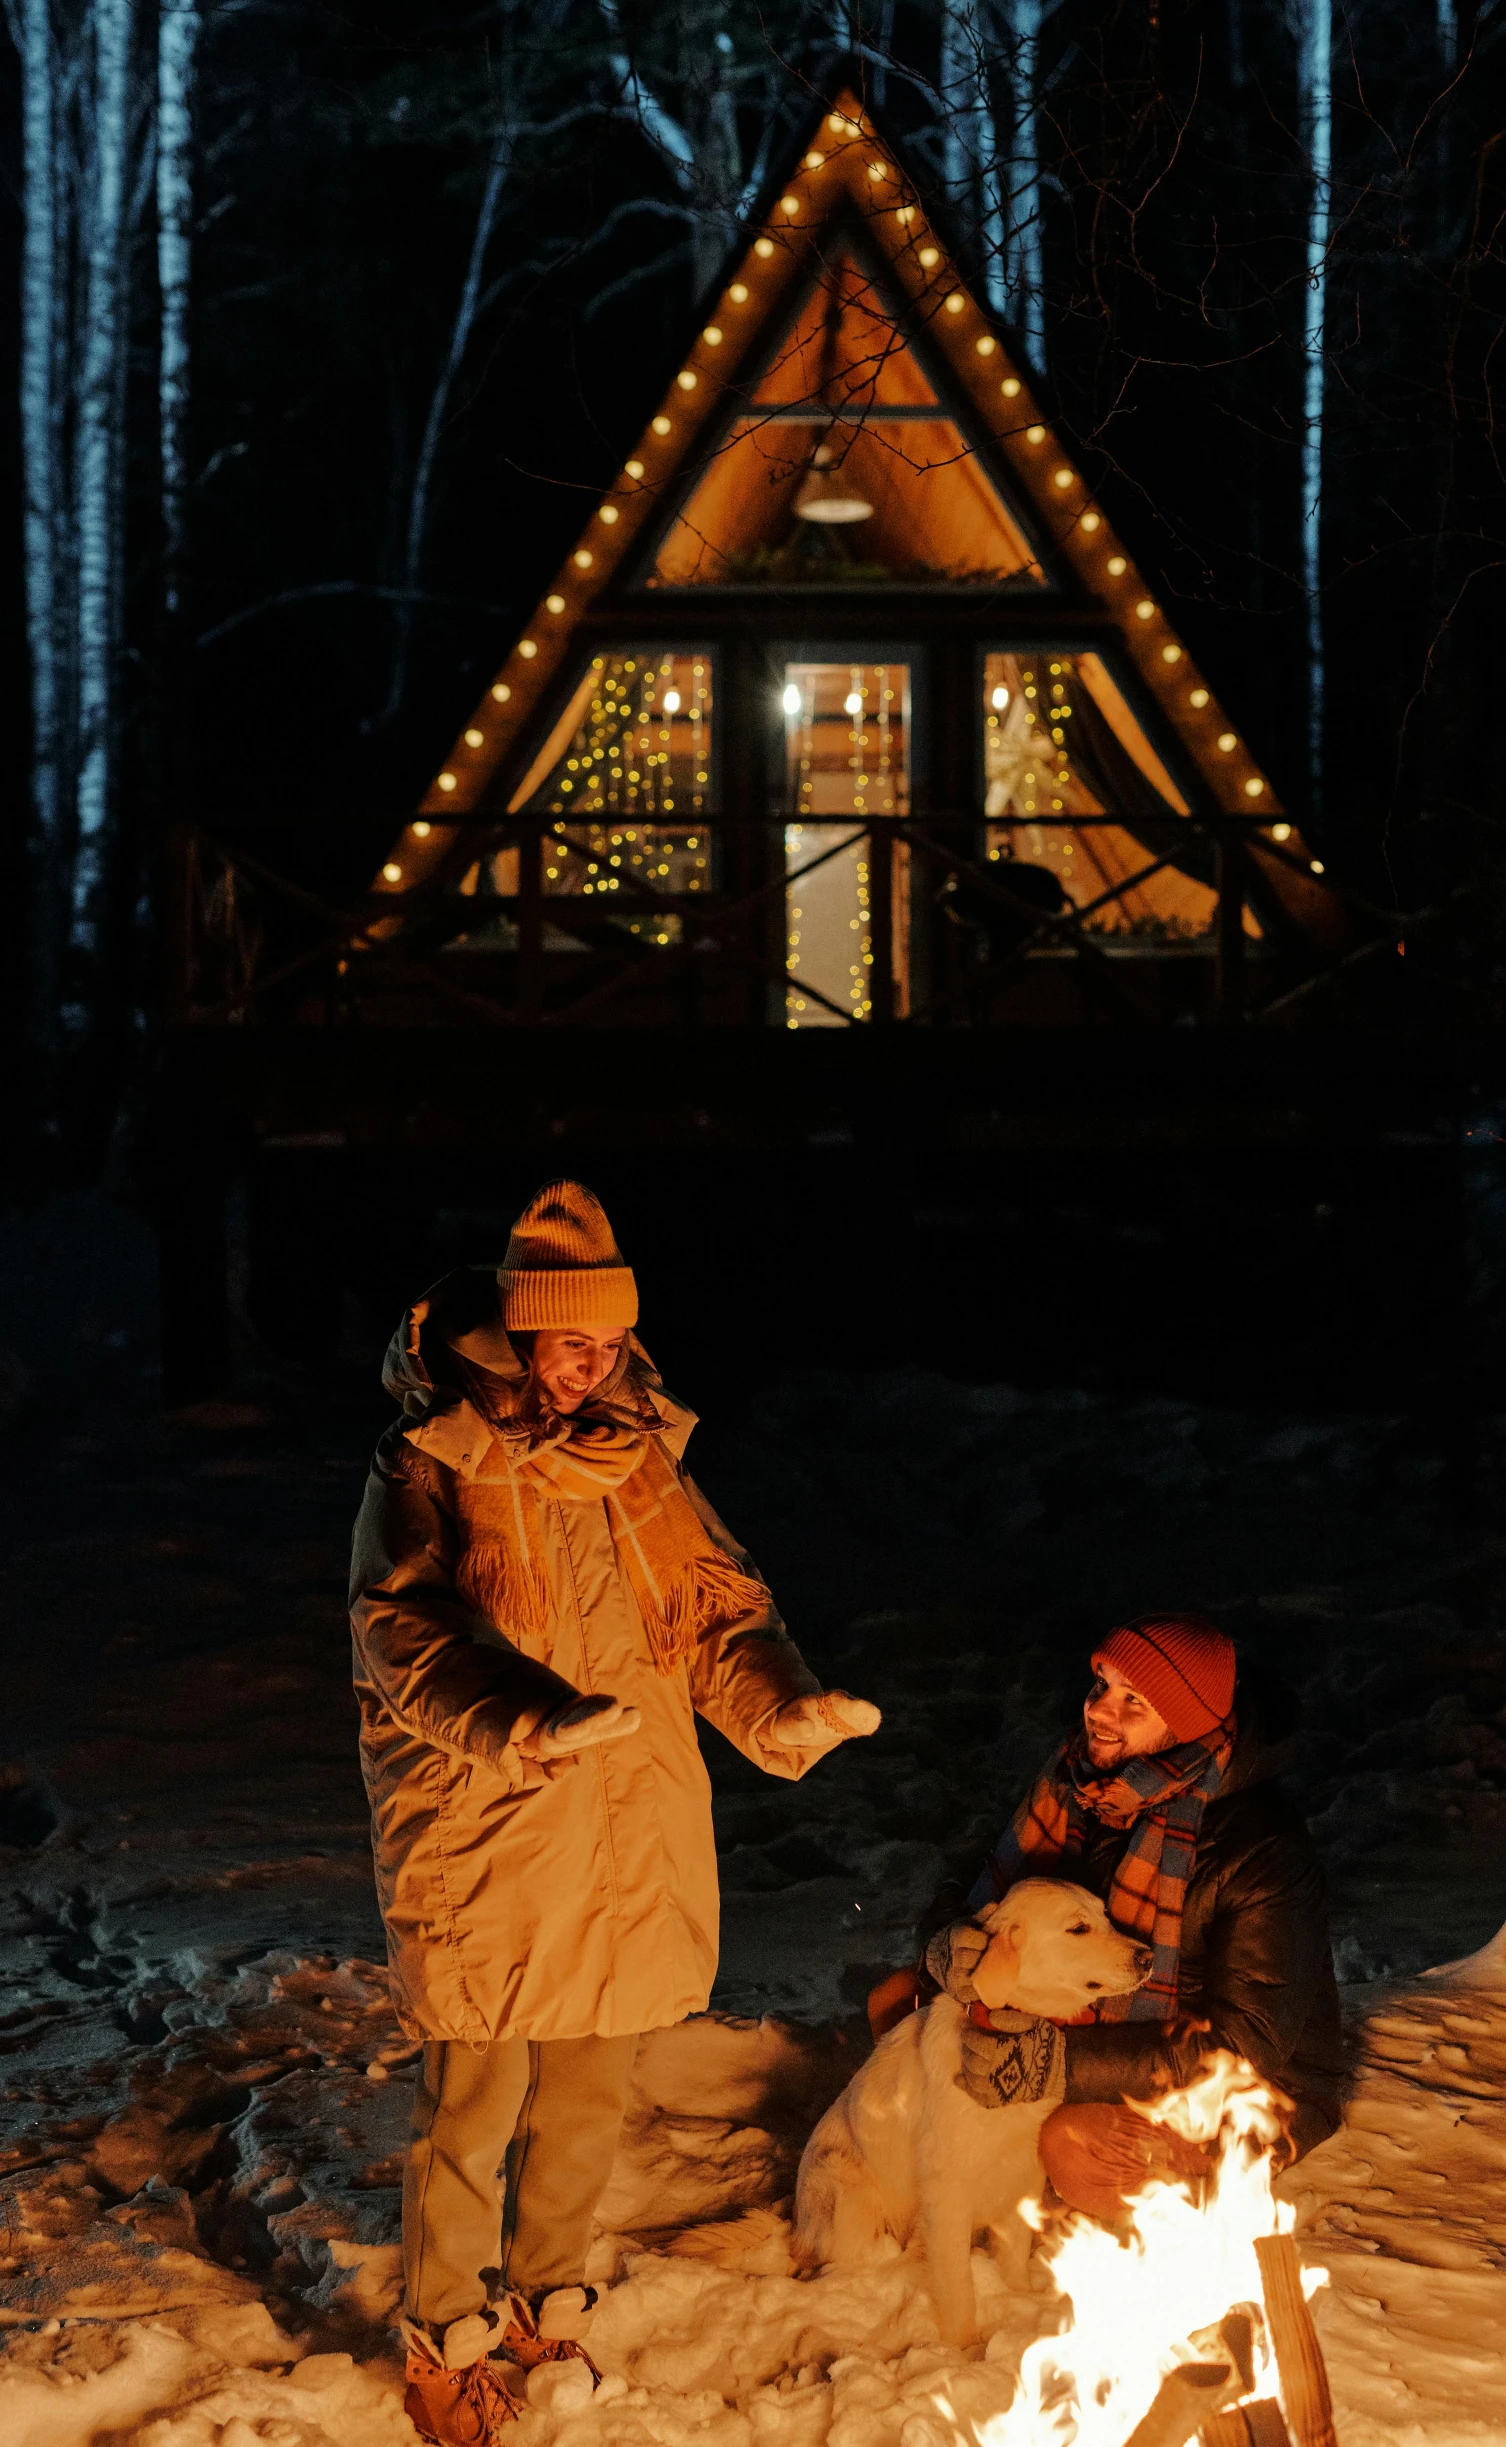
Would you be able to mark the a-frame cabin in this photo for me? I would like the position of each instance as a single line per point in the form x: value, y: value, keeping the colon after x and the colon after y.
x: 848, y: 778
x: 848, y: 704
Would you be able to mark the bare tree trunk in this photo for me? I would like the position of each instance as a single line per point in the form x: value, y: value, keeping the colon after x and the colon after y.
x: 1315, y: 91
x: 971, y: 164
x: 439, y: 407
x: 178, y: 27
x: 1026, y: 302
x: 98, y: 486
x: 44, y: 280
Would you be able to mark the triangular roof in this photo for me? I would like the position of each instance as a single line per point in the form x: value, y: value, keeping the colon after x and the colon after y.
x: 850, y: 180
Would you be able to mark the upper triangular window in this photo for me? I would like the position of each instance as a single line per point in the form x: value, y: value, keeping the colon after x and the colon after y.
x: 844, y: 469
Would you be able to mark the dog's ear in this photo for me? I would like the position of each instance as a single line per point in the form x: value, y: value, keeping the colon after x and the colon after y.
x: 999, y: 1964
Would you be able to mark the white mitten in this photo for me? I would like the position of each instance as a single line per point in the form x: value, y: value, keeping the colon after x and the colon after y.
x: 577, y: 1726
x: 820, y: 1720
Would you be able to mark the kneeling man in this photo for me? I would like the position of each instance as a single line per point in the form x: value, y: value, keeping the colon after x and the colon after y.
x: 1166, y: 1805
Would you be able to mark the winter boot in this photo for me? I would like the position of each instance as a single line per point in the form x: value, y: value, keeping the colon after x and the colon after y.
x: 538, y: 2344
x: 452, y: 2399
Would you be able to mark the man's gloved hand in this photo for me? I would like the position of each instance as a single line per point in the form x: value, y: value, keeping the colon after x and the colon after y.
x: 578, y: 1725
x: 820, y: 1720
x: 1025, y: 2061
x: 952, y: 1957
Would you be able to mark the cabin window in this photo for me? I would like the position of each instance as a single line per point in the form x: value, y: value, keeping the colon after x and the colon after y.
x: 1060, y: 743
x: 624, y: 783
x: 847, y: 760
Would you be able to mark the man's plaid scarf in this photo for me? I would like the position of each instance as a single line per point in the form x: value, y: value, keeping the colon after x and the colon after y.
x: 1162, y: 1800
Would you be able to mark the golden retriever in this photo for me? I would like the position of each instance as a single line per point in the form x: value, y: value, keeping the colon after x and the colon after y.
x: 904, y: 2151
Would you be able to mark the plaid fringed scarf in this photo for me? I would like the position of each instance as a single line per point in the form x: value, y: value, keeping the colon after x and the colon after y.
x: 1162, y: 1800
x: 682, y: 1580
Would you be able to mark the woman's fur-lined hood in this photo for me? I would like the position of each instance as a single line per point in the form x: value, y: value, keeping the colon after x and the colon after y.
x: 456, y: 1327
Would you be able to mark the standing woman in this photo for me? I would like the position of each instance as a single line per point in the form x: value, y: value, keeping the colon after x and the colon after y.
x: 540, y: 1601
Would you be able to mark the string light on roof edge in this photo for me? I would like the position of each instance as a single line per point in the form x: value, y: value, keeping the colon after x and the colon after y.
x: 527, y: 649
x: 1116, y: 565
x: 501, y: 692
x: 475, y: 738
x: 447, y: 781
x: 662, y: 426
x: 1197, y: 697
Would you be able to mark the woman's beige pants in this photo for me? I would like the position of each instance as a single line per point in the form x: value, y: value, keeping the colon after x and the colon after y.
x: 510, y: 2152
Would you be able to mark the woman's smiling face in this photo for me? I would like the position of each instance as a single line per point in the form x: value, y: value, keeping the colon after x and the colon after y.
x: 570, y: 1361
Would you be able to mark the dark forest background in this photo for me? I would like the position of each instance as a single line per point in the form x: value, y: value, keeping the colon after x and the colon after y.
x: 432, y: 268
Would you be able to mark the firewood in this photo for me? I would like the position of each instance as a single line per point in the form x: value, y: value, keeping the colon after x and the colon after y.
x: 1183, y: 2402
x: 1294, y: 2341
x: 1252, y: 2425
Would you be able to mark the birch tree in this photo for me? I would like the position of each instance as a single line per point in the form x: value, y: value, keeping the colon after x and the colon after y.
x: 178, y: 27
x: 1315, y: 96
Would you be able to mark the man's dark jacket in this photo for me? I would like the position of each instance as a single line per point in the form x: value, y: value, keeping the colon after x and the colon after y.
x: 1256, y: 1959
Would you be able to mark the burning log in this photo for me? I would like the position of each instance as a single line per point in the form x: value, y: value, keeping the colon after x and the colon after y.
x: 1294, y: 2341
x: 1182, y: 2404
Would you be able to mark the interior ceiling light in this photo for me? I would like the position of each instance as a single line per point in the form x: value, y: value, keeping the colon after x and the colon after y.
x: 828, y: 496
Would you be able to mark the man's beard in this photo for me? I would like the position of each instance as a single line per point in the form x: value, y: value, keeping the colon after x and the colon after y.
x: 1106, y: 1750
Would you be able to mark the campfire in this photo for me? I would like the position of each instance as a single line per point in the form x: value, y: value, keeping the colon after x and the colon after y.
x: 1198, y: 2323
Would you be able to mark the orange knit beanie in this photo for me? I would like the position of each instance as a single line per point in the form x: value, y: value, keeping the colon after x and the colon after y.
x: 1181, y: 1663
x: 563, y: 1267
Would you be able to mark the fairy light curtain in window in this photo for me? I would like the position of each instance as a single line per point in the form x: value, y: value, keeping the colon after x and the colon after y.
x: 1059, y: 740
x: 625, y: 784
x: 846, y: 732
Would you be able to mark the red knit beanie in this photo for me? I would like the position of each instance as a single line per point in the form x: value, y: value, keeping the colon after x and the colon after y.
x: 1181, y: 1663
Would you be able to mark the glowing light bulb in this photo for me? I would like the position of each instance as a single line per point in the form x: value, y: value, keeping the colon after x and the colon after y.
x: 662, y: 426
x: 791, y: 699
x: 392, y: 873
x: 1145, y: 610
x: 1197, y: 697
x: 763, y: 247
x: 501, y: 692
x: 905, y: 214
x: 582, y: 559
x: 986, y: 345
x: 1317, y: 867
x: 1227, y: 742
x: 712, y: 335
x: 789, y: 205
x: 1035, y: 433
x: 554, y: 603
x: 1116, y: 565
x: 447, y: 781
x: 686, y: 380
x: 852, y: 704
x: 527, y: 649
x: 955, y: 302
x: 1010, y: 386
x: 814, y: 161
x: 608, y: 513
x: 836, y: 123
x: 738, y: 293
x: 1171, y: 654
x: 1281, y: 832
x: 474, y: 739
x: 1091, y: 522
x: 1062, y: 478
x: 421, y: 830
x: 634, y: 468
x: 671, y: 700
x: 999, y: 700
x: 1254, y: 786
x: 930, y: 256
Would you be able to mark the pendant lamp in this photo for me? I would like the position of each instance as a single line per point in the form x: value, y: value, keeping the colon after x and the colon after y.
x: 828, y: 497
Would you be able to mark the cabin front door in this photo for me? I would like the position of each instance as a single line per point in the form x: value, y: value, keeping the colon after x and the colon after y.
x: 847, y: 760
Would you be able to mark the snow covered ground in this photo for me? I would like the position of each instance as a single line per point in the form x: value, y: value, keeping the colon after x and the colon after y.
x: 205, y: 2096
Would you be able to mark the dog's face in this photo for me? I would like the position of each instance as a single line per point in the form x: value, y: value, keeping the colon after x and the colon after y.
x: 1054, y: 1950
